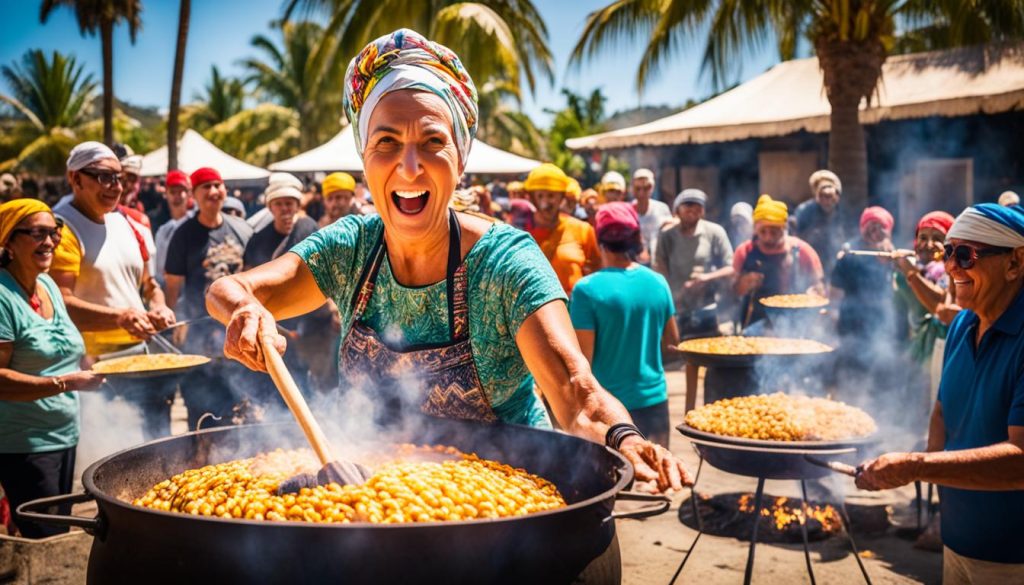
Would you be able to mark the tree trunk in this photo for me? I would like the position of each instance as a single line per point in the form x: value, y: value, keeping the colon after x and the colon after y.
x: 179, y: 70
x: 107, y: 40
x: 851, y: 72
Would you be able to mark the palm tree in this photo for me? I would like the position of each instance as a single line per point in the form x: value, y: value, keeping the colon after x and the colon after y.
x: 851, y: 38
x: 184, y: 15
x: 294, y: 76
x: 260, y: 135
x: 102, y: 16
x: 495, y: 39
x: 582, y: 115
x: 51, y: 96
x: 503, y: 125
x: 224, y: 97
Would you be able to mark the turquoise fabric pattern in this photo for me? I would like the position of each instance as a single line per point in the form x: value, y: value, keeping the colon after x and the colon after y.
x: 41, y: 348
x: 509, y: 279
x: 627, y: 310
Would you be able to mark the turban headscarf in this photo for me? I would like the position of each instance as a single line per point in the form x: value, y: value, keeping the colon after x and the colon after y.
x: 876, y: 214
x: 770, y: 210
x: 405, y: 59
x: 87, y: 153
x: 939, y: 220
x: 12, y: 212
x: 989, y: 223
x: 547, y: 177
x: 338, y: 182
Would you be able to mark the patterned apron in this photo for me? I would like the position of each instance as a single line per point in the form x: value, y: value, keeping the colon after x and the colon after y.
x: 439, y: 379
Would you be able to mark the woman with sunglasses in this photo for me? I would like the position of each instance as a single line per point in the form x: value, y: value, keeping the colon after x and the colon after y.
x: 40, y: 349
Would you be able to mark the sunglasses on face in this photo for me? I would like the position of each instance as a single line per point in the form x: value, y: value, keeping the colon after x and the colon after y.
x: 39, y: 234
x: 966, y: 256
x: 106, y: 179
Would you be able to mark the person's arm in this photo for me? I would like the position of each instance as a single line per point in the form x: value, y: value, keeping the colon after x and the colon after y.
x: 936, y: 430
x: 93, y: 317
x: 995, y: 467
x: 18, y: 387
x: 160, y: 315
x: 251, y: 302
x: 670, y: 336
x: 173, y: 284
x: 928, y: 293
x: 552, y: 354
x: 590, y: 249
x: 586, y: 339
x: 661, y: 254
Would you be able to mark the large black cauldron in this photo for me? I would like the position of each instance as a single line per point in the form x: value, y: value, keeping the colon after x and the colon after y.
x: 140, y: 545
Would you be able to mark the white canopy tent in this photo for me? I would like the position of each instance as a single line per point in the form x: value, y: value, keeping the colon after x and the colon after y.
x: 789, y: 98
x: 195, y: 152
x: 339, y: 154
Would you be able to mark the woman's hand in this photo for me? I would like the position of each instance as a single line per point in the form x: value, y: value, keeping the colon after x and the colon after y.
x: 242, y: 340
x: 84, y: 380
x: 748, y: 282
x: 655, y: 464
x: 136, y: 322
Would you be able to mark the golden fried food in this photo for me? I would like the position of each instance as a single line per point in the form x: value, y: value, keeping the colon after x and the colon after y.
x: 148, y: 363
x: 739, y: 345
x: 463, y: 487
x: 797, y: 301
x: 780, y: 417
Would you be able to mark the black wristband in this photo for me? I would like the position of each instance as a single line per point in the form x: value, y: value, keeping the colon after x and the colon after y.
x: 618, y: 432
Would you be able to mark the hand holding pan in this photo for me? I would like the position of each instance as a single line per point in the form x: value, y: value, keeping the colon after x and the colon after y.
x: 333, y: 471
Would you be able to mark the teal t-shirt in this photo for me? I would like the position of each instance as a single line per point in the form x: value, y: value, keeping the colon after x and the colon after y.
x: 41, y: 348
x: 509, y: 278
x: 627, y: 310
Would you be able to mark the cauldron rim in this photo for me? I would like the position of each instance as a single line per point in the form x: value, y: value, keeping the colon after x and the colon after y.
x: 625, y: 470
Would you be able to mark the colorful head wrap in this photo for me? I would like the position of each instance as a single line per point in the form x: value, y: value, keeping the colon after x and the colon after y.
x: 405, y: 59
x: 769, y: 210
x: 546, y: 177
x: 12, y: 212
x: 338, y: 182
x: 989, y: 223
x: 939, y: 220
x: 876, y: 214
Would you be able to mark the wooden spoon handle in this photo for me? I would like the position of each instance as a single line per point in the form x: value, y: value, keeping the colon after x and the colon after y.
x: 296, y: 403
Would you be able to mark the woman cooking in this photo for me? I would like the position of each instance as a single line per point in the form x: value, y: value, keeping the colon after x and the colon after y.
x: 471, y: 307
x: 39, y: 353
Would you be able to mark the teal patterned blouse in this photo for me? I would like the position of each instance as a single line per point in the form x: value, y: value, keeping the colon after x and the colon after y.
x: 509, y: 279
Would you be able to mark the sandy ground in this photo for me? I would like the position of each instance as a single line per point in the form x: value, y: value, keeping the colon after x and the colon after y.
x: 651, y: 548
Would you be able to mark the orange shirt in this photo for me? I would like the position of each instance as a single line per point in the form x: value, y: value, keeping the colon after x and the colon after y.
x: 571, y: 247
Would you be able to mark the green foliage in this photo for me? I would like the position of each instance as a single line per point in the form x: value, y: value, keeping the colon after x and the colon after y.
x: 223, y: 97
x: 582, y: 116
x: 92, y: 15
x: 49, y: 98
x: 502, y: 124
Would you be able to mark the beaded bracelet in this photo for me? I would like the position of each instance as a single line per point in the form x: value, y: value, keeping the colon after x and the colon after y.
x: 617, y: 433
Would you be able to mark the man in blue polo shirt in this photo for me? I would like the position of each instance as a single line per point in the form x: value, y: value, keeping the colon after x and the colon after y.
x: 976, y: 438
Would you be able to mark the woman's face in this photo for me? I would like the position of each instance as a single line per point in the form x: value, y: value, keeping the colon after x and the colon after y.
x: 928, y: 244
x: 412, y: 163
x: 23, y: 246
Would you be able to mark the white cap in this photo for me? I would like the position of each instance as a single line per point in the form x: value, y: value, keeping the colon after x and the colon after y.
x: 132, y: 164
x: 613, y: 180
x: 643, y: 174
x: 87, y: 153
x: 282, y: 185
x: 1009, y: 198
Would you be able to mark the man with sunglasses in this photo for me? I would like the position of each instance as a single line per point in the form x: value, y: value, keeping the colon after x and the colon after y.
x: 976, y: 437
x: 101, y: 265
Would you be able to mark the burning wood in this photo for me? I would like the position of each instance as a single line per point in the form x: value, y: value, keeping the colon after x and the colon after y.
x: 786, y: 514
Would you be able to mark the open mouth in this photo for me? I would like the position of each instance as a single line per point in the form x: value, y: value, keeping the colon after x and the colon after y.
x: 410, y: 202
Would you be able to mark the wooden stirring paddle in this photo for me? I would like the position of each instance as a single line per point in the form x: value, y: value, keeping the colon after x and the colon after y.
x: 340, y: 472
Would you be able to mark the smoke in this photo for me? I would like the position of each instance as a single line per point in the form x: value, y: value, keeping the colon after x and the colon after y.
x: 108, y: 424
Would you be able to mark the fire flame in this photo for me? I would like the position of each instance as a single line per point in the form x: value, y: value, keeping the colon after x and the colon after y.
x: 786, y: 515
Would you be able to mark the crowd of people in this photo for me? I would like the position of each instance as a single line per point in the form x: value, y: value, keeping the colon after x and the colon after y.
x: 490, y: 325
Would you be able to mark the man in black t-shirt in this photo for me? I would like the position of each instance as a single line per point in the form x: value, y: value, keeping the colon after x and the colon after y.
x: 207, y: 246
x: 287, y: 229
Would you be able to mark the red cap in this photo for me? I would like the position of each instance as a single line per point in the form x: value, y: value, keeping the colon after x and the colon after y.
x: 616, y: 222
x: 177, y: 177
x: 205, y: 175
x: 939, y: 220
x: 876, y: 214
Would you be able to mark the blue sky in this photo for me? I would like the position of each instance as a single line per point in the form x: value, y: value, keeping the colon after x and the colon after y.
x: 221, y: 30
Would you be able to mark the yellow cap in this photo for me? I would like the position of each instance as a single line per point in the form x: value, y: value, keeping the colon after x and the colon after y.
x: 547, y: 177
x: 769, y: 210
x: 573, y: 189
x: 514, y: 186
x: 338, y: 182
